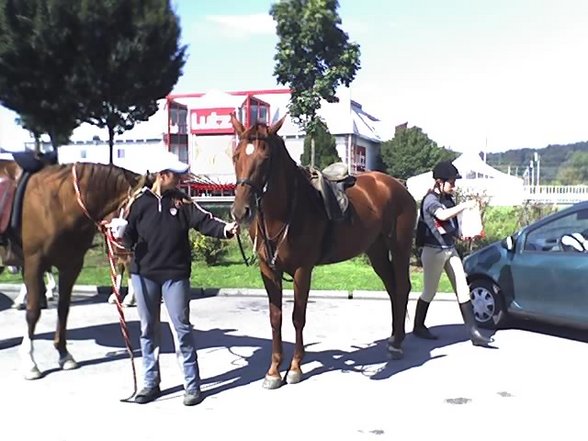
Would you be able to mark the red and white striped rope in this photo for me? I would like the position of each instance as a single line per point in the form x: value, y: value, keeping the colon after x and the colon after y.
x: 110, y: 243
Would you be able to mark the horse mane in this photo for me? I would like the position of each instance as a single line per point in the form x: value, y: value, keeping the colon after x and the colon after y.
x: 96, y: 182
x: 102, y: 176
x: 303, y: 173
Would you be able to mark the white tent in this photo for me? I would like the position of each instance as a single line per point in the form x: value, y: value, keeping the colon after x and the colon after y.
x: 477, y: 178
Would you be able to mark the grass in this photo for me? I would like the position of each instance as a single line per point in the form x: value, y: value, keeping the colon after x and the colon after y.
x: 350, y: 275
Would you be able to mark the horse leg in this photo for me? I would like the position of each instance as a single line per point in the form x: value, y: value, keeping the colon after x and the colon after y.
x: 33, y: 278
x: 273, y: 285
x: 401, y: 265
x: 67, y: 278
x: 398, y: 287
x: 302, y: 278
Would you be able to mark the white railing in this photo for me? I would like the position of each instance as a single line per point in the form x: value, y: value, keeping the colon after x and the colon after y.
x: 547, y: 194
x: 214, y: 199
x: 556, y: 194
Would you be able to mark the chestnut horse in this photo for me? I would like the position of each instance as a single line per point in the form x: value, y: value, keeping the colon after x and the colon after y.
x: 286, y: 216
x: 56, y: 231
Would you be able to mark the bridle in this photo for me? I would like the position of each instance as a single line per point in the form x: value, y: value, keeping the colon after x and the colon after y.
x: 258, y: 191
x: 261, y: 226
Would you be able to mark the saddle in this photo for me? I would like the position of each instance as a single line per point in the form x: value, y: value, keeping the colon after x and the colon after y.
x: 13, y: 183
x: 331, y: 183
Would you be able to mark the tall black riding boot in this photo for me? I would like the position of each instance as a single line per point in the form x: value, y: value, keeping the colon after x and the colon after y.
x: 467, y: 312
x: 419, y: 329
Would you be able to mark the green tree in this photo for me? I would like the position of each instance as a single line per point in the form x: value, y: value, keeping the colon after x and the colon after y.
x: 27, y: 123
x: 411, y: 152
x: 314, y: 56
x: 38, y: 50
x: 131, y: 59
x: 104, y: 62
x: 325, y: 148
x: 574, y: 171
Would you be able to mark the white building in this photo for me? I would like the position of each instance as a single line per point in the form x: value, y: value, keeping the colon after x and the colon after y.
x: 477, y: 178
x: 196, y: 127
x: 211, y: 139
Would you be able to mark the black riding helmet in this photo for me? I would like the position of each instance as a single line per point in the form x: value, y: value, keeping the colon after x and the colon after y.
x: 445, y: 171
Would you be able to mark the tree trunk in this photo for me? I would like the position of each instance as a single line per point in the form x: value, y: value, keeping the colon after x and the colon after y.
x: 111, y: 144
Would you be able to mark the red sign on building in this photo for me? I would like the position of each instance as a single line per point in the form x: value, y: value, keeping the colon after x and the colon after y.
x: 211, y: 121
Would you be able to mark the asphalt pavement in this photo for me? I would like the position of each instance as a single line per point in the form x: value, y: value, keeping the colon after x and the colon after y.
x: 532, y: 384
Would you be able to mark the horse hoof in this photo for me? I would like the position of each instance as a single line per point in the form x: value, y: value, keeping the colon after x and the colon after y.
x: 112, y: 299
x: 272, y: 382
x: 294, y: 377
x: 33, y: 374
x: 19, y: 306
x: 395, y: 353
x: 67, y: 363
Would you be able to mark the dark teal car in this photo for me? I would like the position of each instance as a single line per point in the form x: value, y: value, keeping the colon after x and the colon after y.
x: 539, y: 273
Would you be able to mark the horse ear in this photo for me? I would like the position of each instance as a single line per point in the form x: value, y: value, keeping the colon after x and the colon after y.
x: 278, y: 125
x: 239, y: 128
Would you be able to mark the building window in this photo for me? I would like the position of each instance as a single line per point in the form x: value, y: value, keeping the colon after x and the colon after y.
x: 120, y: 153
x: 83, y: 154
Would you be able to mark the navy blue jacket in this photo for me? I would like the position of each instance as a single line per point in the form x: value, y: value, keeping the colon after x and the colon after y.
x: 157, y: 232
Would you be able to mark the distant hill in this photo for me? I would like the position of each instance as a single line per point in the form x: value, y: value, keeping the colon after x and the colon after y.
x: 551, y: 158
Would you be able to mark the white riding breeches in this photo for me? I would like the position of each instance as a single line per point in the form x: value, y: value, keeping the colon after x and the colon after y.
x: 435, y: 260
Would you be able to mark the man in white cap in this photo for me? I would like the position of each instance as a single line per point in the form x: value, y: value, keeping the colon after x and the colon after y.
x: 159, y: 221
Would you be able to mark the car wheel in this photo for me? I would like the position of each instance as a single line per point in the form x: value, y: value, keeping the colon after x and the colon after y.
x: 488, y: 303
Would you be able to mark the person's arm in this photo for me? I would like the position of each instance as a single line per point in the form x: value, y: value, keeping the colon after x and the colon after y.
x: 444, y: 214
x: 206, y: 223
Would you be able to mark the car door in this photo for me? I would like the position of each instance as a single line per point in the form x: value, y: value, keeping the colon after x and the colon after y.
x: 551, y: 280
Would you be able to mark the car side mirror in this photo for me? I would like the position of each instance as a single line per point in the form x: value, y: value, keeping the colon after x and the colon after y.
x: 508, y: 243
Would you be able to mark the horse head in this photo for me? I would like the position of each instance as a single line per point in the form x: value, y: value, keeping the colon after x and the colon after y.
x: 256, y: 150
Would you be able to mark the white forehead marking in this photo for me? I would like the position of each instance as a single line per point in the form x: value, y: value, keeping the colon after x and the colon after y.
x: 249, y: 149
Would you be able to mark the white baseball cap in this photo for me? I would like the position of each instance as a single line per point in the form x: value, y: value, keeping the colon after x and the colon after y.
x: 168, y: 161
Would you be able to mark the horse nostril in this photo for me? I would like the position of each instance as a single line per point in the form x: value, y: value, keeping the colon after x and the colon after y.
x: 241, y: 213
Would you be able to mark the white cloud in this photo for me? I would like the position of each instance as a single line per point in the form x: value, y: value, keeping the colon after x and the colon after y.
x: 252, y: 24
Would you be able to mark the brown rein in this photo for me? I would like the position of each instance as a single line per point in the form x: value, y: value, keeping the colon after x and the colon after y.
x: 111, y: 244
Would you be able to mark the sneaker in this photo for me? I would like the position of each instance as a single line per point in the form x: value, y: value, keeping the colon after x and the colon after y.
x: 192, y: 398
x: 147, y: 394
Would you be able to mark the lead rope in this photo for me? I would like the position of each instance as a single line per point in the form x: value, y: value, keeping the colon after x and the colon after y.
x: 110, y: 243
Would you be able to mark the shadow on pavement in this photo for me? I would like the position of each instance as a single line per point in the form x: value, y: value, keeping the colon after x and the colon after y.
x: 552, y: 330
x: 5, y: 302
x: 362, y: 359
x: 245, y: 369
x: 371, y: 360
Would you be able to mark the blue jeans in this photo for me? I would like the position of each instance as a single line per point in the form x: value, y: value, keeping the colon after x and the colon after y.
x: 176, y: 296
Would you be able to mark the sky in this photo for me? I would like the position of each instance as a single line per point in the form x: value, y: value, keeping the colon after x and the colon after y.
x: 472, y: 74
